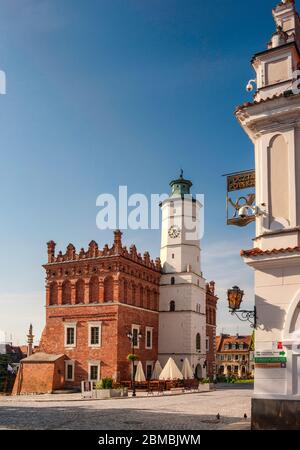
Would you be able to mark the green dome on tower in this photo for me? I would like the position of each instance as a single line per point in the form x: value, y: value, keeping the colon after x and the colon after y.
x: 180, y: 187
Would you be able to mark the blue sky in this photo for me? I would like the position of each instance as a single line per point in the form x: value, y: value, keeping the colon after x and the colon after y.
x: 119, y: 92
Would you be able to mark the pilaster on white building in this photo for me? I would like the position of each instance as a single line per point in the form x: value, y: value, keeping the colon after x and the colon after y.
x: 182, y: 319
x: 272, y: 122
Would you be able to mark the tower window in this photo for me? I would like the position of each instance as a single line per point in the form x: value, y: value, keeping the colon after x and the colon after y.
x: 173, y: 280
x: 198, y: 342
x: 172, y: 305
x: 173, y: 256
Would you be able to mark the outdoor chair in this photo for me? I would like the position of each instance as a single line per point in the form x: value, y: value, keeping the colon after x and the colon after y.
x: 126, y: 384
x: 87, y: 389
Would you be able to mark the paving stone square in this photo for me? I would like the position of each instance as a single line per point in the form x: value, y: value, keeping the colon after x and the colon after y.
x: 192, y: 411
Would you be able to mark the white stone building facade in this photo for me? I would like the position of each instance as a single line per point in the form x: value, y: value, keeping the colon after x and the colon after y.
x: 272, y: 122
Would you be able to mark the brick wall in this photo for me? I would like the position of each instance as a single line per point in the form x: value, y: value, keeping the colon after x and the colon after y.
x: 39, y: 377
x: 126, y: 317
x: 211, y: 325
x: 113, y: 286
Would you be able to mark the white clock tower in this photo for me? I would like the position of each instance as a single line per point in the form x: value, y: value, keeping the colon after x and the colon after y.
x: 182, y: 319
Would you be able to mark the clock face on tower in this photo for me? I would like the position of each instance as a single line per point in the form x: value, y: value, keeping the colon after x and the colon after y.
x: 174, y: 231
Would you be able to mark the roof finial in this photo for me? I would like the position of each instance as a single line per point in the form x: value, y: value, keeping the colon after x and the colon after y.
x: 181, y: 173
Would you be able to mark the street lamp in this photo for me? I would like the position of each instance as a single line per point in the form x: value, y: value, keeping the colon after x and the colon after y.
x: 134, y: 341
x: 235, y: 298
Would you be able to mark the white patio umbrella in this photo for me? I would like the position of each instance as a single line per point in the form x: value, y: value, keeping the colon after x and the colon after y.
x: 139, y: 373
x: 157, y: 371
x: 171, y: 371
x: 186, y: 370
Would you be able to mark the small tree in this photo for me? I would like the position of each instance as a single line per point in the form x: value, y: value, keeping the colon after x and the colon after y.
x: 132, y: 358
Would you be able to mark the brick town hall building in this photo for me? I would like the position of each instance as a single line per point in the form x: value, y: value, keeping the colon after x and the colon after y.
x: 95, y: 297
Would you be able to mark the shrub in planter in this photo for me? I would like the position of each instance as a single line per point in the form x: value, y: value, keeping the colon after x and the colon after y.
x: 106, y: 388
x: 105, y: 383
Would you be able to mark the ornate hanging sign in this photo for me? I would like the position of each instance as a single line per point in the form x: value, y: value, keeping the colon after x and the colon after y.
x: 240, y: 210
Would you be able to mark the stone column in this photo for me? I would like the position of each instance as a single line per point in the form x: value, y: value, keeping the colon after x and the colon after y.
x: 30, y: 341
x: 73, y: 293
x: 116, y: 289
x: 59, y: 294
x: 101, y: 290
x: 86, y: 291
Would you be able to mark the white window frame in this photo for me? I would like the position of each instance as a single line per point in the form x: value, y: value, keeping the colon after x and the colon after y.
x: 94, y: 363
x: 74, y: 326
x: 138, y: 328
x: 94, y: 325
x: 151, y: 332
x: 69, y: 362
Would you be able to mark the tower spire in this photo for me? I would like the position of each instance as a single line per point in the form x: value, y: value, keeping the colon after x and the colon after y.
x: 30, y: 337
x: 180, y: 186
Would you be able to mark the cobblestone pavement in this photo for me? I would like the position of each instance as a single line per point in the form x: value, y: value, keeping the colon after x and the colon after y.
x: 194, y: 411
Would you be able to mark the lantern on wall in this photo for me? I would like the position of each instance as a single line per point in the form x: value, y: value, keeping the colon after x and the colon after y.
x: 235, y: 297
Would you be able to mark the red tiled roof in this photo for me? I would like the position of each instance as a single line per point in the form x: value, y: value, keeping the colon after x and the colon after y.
x: 221, y: 341
x: 255, y: 102
x: 258, y: 251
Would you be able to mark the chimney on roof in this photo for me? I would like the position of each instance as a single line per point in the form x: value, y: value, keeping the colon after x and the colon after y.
x: 117, y: 241
x: 51, y: 251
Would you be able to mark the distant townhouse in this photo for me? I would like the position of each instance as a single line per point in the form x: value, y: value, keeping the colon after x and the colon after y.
x: 235, y: 355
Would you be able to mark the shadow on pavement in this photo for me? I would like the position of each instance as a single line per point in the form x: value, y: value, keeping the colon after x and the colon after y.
x: 13, y: 417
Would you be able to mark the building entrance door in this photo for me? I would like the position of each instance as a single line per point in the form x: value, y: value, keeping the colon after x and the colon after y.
x: 198, y: 371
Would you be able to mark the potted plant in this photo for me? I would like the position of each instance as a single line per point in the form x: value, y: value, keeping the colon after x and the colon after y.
x: 206, y: 384
x: 132, y: 358
x: 106, y: 388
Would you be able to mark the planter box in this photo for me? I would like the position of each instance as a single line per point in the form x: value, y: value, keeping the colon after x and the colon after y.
x: 206, y: 387
x: 103, y: 394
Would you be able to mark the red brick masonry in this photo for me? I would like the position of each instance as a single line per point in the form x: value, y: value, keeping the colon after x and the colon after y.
x: 115, y: 287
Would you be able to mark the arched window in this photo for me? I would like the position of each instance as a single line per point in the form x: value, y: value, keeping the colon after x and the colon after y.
x: 173, y: 280
x: 172, y: 305
x: 66, y: 292
x: 108, y: 289
x: 53, y: 295
x: 79, y: 291
x: 94, y: 290
x: 198, y: 342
